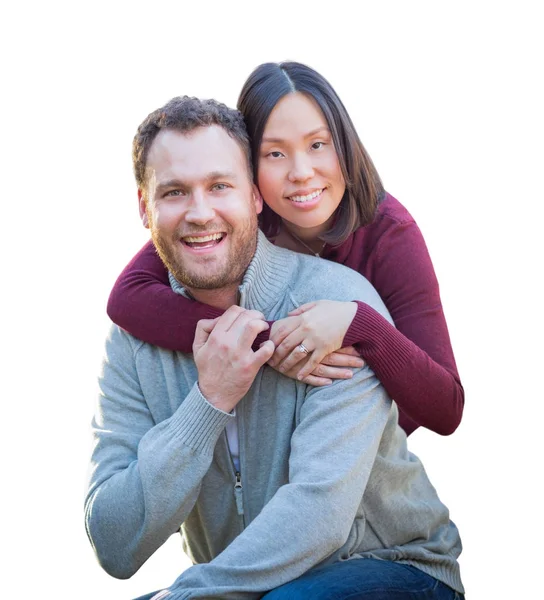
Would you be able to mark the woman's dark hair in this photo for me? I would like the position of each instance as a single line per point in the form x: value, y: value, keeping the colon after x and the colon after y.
x: 263, y: 89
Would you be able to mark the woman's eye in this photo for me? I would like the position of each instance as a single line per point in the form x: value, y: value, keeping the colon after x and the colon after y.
x: 317, y: 145
x: 275, y: 154
x: 174, y: 193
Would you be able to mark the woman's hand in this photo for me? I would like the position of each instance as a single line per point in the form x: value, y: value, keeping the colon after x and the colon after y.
x: 320, y: 328
x: 334, y: 366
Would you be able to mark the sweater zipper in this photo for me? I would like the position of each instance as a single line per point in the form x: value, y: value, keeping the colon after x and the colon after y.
x: 238, y: 494
x: 238, y: 489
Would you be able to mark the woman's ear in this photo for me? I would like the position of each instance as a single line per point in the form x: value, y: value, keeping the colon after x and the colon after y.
x: 258, y: 199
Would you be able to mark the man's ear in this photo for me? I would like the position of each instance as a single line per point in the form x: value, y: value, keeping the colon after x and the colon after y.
x: 143, y: 212
x: 258, y: 199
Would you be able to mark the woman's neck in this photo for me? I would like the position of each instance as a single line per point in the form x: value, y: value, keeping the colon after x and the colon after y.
x: 301, y: 240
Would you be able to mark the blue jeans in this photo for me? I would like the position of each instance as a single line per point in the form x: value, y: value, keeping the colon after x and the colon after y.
x: 361, y: 579
x: 364, y: 579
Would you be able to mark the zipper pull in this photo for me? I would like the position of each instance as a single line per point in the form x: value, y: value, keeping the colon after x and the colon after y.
x: 238, y: 494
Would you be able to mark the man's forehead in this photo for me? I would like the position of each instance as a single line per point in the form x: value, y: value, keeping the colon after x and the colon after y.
x: 195, y: 156
x: 201, y: 146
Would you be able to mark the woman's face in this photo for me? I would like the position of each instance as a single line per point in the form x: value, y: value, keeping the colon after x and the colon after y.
x: 299, y: 175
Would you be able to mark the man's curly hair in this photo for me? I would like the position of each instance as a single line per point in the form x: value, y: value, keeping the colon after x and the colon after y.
x: 183, y: 114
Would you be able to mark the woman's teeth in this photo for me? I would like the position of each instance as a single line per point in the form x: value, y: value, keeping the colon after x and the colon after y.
x: 306, y: 198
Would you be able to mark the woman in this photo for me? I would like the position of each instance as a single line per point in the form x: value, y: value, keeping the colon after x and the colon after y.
x: 323, y: 196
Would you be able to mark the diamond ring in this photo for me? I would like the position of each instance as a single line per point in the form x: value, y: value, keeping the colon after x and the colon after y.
x: 302, y: 348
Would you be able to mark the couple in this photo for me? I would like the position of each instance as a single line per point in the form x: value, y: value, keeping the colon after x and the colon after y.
x: 274, y: 446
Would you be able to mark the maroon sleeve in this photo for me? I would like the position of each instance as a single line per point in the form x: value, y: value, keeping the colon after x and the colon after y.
x: 414, y: 361
x: 143, y: 303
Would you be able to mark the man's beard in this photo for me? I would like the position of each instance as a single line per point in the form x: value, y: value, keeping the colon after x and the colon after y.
x: 242, y: 246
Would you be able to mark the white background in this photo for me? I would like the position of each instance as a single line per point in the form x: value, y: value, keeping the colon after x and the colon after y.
x: 447, y: 99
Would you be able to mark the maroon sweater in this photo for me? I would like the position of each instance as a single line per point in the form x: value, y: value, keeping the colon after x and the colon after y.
x: 414, y: 361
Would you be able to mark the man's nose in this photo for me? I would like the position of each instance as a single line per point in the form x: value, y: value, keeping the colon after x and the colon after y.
x: 200, y: 209
x: 301, y: 168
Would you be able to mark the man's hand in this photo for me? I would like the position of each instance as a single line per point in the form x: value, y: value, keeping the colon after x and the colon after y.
x: 223, y: 356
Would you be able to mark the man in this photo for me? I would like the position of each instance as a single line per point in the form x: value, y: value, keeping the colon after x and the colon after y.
x: 267, y: 477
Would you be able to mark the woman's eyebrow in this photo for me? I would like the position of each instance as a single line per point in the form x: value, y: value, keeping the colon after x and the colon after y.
x: 275, y: 140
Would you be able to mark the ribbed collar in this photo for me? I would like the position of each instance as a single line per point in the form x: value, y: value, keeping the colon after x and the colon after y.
x: 266, y: 278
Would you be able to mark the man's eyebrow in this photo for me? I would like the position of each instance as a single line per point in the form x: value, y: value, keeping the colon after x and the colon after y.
x: 307, y: 135
x: 211, y: 176
x: 171, y: 183
x: 214, y: 175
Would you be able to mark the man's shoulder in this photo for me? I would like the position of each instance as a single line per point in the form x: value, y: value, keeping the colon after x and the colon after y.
x: 329, y: 276
x: 124, y: 352
x: 120, y: 342
x: 321, y: 279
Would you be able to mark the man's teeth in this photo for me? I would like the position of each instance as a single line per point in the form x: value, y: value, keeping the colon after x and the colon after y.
x: 306, y: 198
x: 202, y: 238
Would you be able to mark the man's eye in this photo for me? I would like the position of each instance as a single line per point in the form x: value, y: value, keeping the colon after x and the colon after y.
x: 220, y: 186
x: 174, y: 193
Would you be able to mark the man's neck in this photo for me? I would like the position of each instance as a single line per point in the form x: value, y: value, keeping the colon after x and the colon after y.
x: 222, y: 298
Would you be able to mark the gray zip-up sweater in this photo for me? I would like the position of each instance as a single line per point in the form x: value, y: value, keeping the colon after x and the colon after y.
x: 325, y: 471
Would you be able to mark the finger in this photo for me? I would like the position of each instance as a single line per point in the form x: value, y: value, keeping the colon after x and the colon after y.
x: 207, y: 325
x: 338, y: 359
x: 243, y: 317
x: 248, y: 330
x: 263, y: 354
x: 301, y: 309
x: 316, y: 381
x: 203, y: 329
x: 282, y: 328
x: 252, y: 314
x: 332, y: 372
x: 349, y: 350
x: 232, y: 314
x: 290, y: 352
x: 225, y: 321
x: 285, y: 346
x: 232, y: 326
x: 314, y: 360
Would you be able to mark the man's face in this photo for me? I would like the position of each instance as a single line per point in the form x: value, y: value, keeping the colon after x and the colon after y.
x: 201, y: 206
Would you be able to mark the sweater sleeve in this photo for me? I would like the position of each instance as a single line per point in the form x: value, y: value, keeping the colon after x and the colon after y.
x: 143, y: 303
x: 145, y: 478
x: 414, y: 361
x: 333, y: 449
